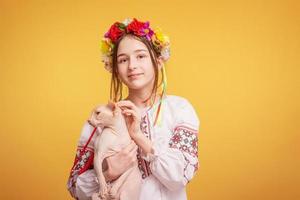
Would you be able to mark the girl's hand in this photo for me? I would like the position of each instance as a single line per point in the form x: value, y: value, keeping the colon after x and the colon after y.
x: 121, y: 161
x: 132, y: 117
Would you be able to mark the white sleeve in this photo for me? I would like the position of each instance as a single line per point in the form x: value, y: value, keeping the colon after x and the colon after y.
x: 86, y: 185
x: 174, y: 164
x: 82, y: 181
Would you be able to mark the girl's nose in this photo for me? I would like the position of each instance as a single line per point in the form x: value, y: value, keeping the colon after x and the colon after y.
x: 132, y: 64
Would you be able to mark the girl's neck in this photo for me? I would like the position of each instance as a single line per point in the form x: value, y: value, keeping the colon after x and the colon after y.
x: 139, y: 98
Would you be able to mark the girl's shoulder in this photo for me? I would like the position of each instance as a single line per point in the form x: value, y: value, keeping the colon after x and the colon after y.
x: 183, y: 111
x: 177, y: 101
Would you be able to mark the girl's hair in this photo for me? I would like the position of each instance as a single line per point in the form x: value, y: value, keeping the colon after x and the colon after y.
x: 116, y: 86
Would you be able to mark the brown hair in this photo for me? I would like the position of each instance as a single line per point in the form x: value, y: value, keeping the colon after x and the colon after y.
x: 116, y: 86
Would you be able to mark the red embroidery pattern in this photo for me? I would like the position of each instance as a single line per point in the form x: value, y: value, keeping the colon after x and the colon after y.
x: 185, y: 139
x: 145, y: 126
x: 143, y: 164
x: 82, y: 163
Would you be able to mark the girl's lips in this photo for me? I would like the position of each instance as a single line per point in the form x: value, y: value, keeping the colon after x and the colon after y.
x: 134, y: 75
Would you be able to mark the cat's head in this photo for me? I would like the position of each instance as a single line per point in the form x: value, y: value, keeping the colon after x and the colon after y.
x: 108, y: 114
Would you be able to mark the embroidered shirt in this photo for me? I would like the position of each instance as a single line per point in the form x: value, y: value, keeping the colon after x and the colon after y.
x: 165, y: 172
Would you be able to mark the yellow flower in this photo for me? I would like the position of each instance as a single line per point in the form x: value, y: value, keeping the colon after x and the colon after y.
x: 105, y: 46
x: 161, y: 37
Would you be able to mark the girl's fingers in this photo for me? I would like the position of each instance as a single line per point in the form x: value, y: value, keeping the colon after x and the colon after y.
x: 133, y: 112
x: 126, y: 103
x: 130, y: 112
x: 126, y: 110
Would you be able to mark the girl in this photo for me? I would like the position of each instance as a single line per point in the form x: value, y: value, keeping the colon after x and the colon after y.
x: 163, y: 127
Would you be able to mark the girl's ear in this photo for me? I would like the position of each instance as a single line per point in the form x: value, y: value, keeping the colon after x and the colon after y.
x: 160, y: 63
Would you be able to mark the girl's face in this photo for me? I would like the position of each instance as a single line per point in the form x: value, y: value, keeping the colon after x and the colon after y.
x: 135, y: 68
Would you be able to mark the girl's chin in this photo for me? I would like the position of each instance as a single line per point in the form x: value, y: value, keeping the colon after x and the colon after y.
x: 136, y: 85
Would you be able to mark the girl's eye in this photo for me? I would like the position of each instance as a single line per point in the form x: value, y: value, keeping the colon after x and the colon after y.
x: 122, y: 60
x: 141, y: 56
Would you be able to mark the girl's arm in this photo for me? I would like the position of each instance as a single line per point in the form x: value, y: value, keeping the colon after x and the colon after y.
x: 82, y: 182
x: 175, y: 163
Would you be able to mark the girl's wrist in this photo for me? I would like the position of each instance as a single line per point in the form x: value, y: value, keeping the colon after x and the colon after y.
x: 143, y: 142
x: 136, y: 136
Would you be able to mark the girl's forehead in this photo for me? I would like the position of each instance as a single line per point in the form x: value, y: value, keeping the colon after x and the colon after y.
x: 130, y: 45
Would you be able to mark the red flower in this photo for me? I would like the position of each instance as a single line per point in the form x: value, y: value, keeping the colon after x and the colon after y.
x: 115, y: 31
x: 136, y: 27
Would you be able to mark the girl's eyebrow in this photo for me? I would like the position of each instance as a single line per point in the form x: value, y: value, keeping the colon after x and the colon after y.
x: 138, y: 50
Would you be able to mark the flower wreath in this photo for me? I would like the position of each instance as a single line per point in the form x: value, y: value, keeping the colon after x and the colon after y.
x: 159, y: 40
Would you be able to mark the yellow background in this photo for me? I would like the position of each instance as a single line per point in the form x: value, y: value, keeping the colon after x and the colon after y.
x: 236, y: 61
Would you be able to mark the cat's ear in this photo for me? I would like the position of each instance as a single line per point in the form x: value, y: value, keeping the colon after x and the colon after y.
x: 111, y: 105
x: 114, y: 107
